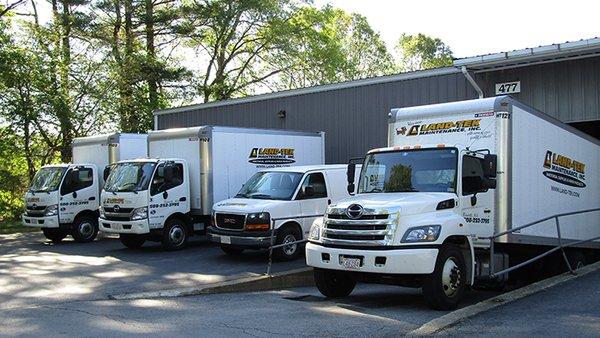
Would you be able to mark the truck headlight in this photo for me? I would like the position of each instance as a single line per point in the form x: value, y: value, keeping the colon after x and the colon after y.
x: 101, y: 211
x: 258, y: 221
x: 426, y: 233
x: 315, y: 229
x: 139, y: 213
x: 51, y: 210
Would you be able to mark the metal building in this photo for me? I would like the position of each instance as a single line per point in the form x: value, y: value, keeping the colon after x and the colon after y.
x: 561, y: 80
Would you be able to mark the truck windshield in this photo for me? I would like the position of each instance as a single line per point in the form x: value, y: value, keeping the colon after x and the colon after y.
x: 129, y: 176
x: 271, y: 186
x: 47, y: 179
x: 426, y: 170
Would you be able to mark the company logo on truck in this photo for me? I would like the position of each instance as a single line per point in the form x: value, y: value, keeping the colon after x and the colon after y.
x: 564, y: 170
x: 441, y: 127
x: 276, y: 156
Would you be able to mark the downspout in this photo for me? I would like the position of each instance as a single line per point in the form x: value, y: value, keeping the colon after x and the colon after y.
x: 465, y: 72
x: 155, y: 120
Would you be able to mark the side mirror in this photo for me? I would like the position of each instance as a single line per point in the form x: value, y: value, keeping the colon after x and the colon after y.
x: 490, y: 164
x: 106, y: 172
x: 350, y: 172
x: 309, y: 191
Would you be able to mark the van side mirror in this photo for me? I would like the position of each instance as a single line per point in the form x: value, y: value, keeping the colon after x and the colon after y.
x: 106, y: 172
x: 350, y: 172
x: 309, y: 191
x: 490, y: 164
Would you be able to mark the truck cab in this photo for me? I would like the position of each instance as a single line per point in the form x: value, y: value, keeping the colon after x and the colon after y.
x: 63, y: 199
x: 147, y: 199
x: 283, y: 200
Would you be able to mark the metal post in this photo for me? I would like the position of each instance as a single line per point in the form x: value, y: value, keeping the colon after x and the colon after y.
x: 492, y: 267
x: 271, y: 247
x: 562, y: 248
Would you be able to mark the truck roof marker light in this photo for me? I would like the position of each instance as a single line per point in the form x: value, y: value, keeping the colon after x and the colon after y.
x: 418, y: 146
x: 397, y: 148
x: 406, y: 147
x: 441, y: 145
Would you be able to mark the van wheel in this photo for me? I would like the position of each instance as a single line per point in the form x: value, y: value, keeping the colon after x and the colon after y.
x: 288, y: 252
x: 334, y: 284
x: 576, y: 259
x: 55, y: 235
x: 444, y: 288
x: 85, y: 229
x: 231, y: 250
x: 132, y: 241
x: 174, y: 235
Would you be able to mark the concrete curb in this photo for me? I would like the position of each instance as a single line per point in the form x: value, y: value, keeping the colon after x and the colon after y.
x: 446, y: 321
x: 281, y: 280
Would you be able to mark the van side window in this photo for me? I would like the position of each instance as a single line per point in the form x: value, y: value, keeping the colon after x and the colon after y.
x: 316, y: 187
x: 71, y: 184
x: 472, y: 175
x: 159, y: 184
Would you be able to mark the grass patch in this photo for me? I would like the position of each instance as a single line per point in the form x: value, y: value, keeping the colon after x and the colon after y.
x: 13, y: 227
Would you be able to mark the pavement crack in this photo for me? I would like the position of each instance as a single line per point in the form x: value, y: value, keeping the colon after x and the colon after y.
x: 115, y: 318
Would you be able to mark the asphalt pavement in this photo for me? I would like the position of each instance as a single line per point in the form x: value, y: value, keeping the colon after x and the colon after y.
x: 571, y: 309
x: 34, y: 271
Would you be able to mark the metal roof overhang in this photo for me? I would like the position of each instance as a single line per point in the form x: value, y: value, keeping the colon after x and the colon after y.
x: 530, y: 56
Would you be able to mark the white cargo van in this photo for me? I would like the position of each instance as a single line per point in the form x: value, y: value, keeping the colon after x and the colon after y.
x: 290, y: 196
x: 64, y: 198
x: 454, y: 175
x: 169, y: 196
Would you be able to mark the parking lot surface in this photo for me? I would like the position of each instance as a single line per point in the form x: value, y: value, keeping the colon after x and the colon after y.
x: 34, y: 271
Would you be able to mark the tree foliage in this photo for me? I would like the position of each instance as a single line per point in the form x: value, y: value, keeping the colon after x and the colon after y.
x: 422, y: 52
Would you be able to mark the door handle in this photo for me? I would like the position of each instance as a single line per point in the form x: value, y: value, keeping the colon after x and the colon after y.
x: 93, y: 198
x: 328, y: 202
x: 182, y: 199
x: 487, y: 211
x: 165, y: 195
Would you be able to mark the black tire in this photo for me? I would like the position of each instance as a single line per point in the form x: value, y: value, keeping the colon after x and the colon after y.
x: 85, y: 229
x: 445, y: 287
x: 291, y: 252
x: 333, y: 283
x: 132, y: 241
x: 55, y: 235
x: 576, y: 259
x: 231, y: 250
x: 175, y: 235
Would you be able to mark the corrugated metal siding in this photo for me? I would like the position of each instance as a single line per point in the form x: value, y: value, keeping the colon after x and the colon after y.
x: 354, y: 119
x: 566, y: 90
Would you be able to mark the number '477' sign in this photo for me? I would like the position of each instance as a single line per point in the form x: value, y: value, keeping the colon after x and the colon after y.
x: 508, y: 88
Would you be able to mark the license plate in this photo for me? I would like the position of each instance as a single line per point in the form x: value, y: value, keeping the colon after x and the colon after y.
x: 350, y: 263
x: 225, y: 239
x: 117, y: 226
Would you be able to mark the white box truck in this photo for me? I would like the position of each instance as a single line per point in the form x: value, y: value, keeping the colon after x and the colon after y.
x: 285, y: 200
x: 64, y: 198
x: 454, y: 175
x: 169, y: 196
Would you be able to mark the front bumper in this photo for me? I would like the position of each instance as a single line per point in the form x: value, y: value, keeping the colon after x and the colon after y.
x: 246, y: 239
x: 40, y: 222
x: 124, y: 227
x: 397, y: 261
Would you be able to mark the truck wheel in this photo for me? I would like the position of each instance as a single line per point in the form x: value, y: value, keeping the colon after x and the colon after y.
x: 231, y: 250
x: 85, y: 229
x: 174, y: 235
x: 132, y: 241
x: 444, y: 288
x: 576, y: 259
x: 334, y: 284
x: 55, y: 235
x: 288, y: 252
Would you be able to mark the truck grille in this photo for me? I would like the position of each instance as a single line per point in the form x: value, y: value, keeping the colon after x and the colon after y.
x: 33, y: 211
x: 231, y: 221
x: 117, y: 214
x: 366, y: 230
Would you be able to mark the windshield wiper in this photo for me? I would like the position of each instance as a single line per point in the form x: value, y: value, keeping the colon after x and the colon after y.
x: 260, y: 196
x: 241, y: 195
x: 408, y: 190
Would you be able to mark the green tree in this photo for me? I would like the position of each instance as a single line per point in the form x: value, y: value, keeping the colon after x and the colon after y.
x: 420, y: 51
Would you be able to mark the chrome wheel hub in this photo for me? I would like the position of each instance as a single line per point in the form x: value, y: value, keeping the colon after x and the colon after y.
x: 289, y: 249
x: 451, y: 280
x: 176, y: 235
x: 86, y: 229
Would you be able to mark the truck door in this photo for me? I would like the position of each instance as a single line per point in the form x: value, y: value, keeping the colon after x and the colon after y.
x: 78, y: 192
x: 313, y: 197
x: 476, y: 202
x: 168, y: 193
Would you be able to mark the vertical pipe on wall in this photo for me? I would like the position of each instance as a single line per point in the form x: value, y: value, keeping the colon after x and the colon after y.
x: 464, y: 70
